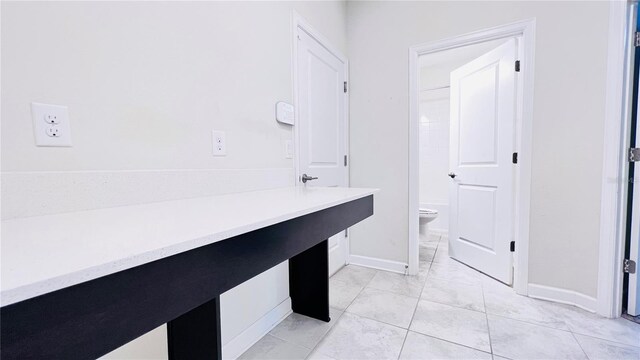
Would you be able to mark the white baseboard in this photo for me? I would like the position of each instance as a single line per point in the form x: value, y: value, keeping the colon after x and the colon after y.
x: 563, y: 296
x: 238, y: 345
x: 380, y: 264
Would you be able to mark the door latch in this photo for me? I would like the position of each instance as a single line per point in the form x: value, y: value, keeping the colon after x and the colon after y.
x: 629, y: 266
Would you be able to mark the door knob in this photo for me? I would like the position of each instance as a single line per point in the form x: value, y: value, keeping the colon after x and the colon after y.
x: 452, y: 175
x: 306, y: 178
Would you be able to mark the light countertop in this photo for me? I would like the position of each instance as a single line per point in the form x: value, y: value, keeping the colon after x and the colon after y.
x: 46, y: 253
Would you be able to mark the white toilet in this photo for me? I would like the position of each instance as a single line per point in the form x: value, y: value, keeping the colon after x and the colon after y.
x: 426, y: 216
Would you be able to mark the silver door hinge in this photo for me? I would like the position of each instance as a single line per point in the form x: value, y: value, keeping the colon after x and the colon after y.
x: 634, y: 154
x: 345, y: 87
x: 629, y: 266
x: 636, y: 39
x: 345, y: 160
x: 517, y: 65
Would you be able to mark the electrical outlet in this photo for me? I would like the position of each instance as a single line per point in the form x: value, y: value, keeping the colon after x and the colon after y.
x: 219, y: 143
x: 51, y: 125
x: 53, y: 131
x: 51, y: 119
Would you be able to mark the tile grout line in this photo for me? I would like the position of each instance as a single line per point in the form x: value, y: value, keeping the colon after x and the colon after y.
x: 578, y: 342
x: 431, y: 336
x: 391, y: 292
x: 385, y: 291
x: 343, y: 310
x: 291, y: 342
x: 376, y: 320
x: 530, y: 323
x: 417, y: 302
x: 601, y: 339
x: 453, y: 343
x: 419, y: 296
x: 403, y: 342
x: 361, y: 290
x: 388, y: 292
x: 568, y: 329
x: 325, y: 334
x: 486, y: 315
x: 320, y: 341
x: 453, y: 306
x: 483, y: 303
x: 451, y: 281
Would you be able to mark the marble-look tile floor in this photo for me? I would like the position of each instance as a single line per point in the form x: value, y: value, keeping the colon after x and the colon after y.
x: 447, y: 311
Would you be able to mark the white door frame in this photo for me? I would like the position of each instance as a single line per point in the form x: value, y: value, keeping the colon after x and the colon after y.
x: 615, y: 168
x: 298, y: 22
x: 524, y: 30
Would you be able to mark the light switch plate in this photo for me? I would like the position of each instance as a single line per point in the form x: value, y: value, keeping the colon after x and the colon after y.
x: 288, y: 149
x: 219, y: 143
x: 51, y: 125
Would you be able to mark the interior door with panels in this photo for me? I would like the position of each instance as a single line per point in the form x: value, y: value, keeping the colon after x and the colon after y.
x: 482, y: 133
x: 322, y: 125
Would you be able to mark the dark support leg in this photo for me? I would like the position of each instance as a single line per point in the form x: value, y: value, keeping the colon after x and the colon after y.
x: 309, y: 282
x: 196, y: 334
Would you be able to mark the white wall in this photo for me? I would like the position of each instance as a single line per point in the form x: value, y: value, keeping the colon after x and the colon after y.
x: 145, y: 83
x: 571, y: 49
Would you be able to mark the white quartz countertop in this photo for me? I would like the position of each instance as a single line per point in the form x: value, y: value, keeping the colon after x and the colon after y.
x: 46, y: 253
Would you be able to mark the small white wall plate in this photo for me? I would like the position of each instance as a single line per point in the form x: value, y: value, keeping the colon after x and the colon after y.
x: 284, y: 113
x: 51, y: 125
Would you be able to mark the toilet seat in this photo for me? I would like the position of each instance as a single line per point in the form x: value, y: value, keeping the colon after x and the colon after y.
x: 428, y: 212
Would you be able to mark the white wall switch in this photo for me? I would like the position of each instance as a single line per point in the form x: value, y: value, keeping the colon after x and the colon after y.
x: 288, y: 149
x: 219, y: 143
x: 51, y: 125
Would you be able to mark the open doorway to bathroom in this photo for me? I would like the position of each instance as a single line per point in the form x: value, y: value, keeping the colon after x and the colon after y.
x: 469, y: 127
x: 436, y: 106
x: 434, y: 124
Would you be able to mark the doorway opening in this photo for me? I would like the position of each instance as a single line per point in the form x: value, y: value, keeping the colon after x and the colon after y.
x: 466, y: 93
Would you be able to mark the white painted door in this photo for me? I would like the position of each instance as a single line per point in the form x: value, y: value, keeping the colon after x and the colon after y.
x: 633, y: 291
x: 322, y: 126
x: 481, y: 190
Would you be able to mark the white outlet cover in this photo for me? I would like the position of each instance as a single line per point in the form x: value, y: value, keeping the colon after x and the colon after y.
x: 43, y: 129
